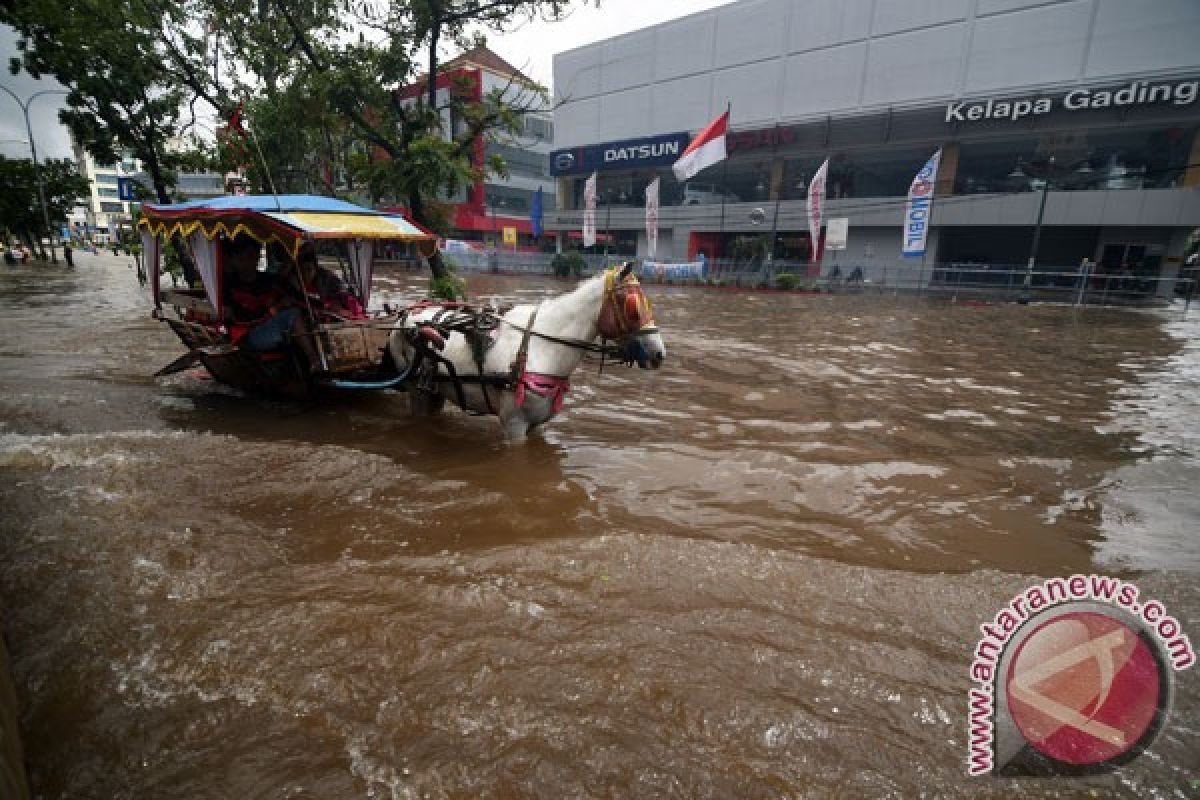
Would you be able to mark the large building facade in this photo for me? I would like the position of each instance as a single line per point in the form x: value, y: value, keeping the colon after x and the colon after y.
x: 484, y: 209
x: 103, y: 213
x: 1075, y: 120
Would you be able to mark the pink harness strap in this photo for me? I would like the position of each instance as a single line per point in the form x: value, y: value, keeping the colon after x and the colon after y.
x: 550, y: 386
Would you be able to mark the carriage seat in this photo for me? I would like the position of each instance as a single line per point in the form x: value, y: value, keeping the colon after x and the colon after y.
x: 194, y: 300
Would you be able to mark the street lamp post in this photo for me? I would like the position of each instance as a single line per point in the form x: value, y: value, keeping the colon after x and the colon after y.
x: 37, y: 170
x: 1037, y: 231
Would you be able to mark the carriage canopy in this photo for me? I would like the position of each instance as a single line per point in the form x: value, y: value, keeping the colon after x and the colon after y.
x: 289, y: 220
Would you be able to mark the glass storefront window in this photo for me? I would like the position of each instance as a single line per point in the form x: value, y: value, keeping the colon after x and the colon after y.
x: 1077, y: 159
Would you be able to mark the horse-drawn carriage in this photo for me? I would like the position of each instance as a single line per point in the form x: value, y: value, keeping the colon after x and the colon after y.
x: 513, y: 363
x: 336, y: 347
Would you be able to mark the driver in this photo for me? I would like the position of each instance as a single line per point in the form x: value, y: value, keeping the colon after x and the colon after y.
x: 322, y: 289
x: 261, y: 313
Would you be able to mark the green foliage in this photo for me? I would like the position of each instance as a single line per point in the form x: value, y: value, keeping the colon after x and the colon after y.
x: 321, y: 99
x: 107, y: 53
x: 570, y: 264
x: 20, y: 209
x: 448, y: 286
x: 787, y: 280
x: 751, y: 248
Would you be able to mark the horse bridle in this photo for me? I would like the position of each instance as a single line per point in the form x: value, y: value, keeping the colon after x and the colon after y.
x: 625, y: 312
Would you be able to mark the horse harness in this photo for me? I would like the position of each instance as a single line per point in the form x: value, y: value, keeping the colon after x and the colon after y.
x: 626, y: 311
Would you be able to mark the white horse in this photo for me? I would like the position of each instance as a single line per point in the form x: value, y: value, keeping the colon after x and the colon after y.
x: 517, y: 365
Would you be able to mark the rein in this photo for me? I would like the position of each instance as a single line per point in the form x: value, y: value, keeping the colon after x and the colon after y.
x: 624, y: 303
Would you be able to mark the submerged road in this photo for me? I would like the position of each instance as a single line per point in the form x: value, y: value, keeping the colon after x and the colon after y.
x: 759, y: 572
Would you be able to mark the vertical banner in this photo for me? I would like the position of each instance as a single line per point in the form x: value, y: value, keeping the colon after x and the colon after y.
x: 204, y: 253
x: 362, y: 262
x: 816, y: 208
x: 919, y: 208
x: 150, y: 264
x: 589, y: 211
x: 652, y: 218
x: 535, y: 214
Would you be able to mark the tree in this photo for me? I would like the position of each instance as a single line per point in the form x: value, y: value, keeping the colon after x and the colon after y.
x: 20, y: 210
x: 425, y: 150
x: 105, y: 52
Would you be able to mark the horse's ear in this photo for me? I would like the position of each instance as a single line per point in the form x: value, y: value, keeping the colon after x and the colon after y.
x: 626, y: 270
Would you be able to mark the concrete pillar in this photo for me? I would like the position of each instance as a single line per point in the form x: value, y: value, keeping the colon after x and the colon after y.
x: 564, y: 196
x: 776, y: 179
x: 1191, y: 175
x: 1172, y: 263
x: 947, y: 170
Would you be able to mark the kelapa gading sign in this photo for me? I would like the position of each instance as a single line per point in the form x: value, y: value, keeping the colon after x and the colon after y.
x: 1137, y: 93
x: 649, y: 151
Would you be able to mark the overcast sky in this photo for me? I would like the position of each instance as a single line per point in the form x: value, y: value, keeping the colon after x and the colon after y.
x: 51, y: 137
x: 530, y: 48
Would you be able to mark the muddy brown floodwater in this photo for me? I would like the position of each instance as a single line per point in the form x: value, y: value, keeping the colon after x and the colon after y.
x: 758, y: 572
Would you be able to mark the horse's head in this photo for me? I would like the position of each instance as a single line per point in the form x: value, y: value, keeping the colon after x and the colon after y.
x: 627, y: 318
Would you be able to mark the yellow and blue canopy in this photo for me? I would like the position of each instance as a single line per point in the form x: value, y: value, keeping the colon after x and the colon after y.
x: 289, y: 219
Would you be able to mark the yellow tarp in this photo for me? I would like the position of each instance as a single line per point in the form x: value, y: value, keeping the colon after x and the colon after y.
x: 360, y: 226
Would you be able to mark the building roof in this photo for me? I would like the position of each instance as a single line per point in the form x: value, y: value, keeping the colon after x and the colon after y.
x: 481, y: 56
x: 478, y: 57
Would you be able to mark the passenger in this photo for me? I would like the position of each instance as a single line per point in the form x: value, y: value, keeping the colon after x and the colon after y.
x: 325, y: 292
x: 261, y: 313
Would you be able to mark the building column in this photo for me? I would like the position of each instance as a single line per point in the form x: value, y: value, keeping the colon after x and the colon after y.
x: 1191, y: 175
x: 563, y: 195
x: 947, y: 170
x: 1172, y: 261
x: 776, y: 180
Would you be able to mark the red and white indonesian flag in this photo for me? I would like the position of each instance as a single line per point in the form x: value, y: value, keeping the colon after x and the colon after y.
x: 652, y: 218
x: 589, y: 211
x: 816, y: 208
x: 706, y: 149
x: 919, y: 208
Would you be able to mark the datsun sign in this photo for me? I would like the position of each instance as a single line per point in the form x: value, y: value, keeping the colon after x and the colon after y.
x: 650, y: 151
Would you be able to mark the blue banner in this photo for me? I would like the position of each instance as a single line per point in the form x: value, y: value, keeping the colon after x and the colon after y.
x: 535, y: 214
x: 919, y: 208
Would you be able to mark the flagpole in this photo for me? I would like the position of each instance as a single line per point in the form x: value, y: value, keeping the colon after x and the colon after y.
x: 607, y: 223
x: 724, y: 178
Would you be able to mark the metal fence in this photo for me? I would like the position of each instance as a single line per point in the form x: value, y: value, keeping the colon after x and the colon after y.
x: 1002, y: 282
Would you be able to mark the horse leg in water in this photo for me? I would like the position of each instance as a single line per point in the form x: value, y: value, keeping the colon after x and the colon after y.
x: 424, y: 403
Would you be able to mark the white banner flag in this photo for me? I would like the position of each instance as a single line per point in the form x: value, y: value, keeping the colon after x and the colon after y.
x: 652, y: 218
x: 919, y: 208
x: 589, y: 211
x: 816, y: 208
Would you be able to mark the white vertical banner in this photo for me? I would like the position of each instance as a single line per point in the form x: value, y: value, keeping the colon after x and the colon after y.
x: 816, y: 208
x: 362, y: 262
x: 150, y: 263
x: 919, y: 208
x: 589, y: 211
x: 652, y: 218
x: 204, y: 253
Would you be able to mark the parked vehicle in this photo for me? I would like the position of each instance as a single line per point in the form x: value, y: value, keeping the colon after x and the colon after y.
x: 697, y: 194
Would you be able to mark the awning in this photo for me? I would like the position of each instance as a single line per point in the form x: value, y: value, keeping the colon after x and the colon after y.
x: 289, y: 220
x: 340, y: 226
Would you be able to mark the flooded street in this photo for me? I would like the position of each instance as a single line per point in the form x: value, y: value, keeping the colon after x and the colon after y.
x: 758, y: 572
